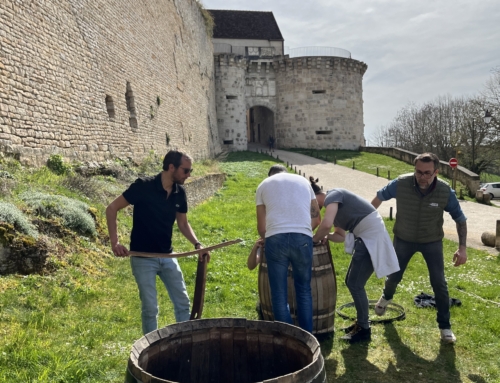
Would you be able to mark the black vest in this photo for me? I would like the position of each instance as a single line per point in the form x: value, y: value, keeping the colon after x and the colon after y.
x: 419, y: 218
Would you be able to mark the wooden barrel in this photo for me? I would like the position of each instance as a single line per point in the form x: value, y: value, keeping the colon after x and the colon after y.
x: 323, y: 288
x: 226, y: 350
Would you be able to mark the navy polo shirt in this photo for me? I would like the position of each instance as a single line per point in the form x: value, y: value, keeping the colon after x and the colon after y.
x: 154, y: 214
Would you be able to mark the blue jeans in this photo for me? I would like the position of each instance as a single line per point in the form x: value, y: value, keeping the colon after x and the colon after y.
x: 433, y: 256
x: 145, y: 271
x: 281, y: 250
x: 360, y: 270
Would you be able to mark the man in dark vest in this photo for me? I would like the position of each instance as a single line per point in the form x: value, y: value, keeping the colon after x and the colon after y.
x: 421, y: 200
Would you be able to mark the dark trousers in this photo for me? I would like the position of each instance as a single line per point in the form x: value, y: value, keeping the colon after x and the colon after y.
x: 360, y: 270
x: 433, y: 256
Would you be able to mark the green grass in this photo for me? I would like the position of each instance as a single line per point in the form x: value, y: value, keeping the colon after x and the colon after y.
x: 78, y: 324
x: 488, y: 177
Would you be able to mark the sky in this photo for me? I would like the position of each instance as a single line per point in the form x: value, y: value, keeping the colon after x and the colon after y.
x: 415, y: 50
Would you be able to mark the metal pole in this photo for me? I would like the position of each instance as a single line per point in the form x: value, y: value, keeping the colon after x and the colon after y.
x: 497, y: 238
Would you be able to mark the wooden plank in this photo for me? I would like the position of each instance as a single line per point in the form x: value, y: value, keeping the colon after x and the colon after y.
x: 227, y: 360
x: 240, y: 355
x: 254, y: 359
x: 185, y: 357
x: 214, y: 363
x: 184, y: 254
x: 266, y: 356
x: 280, y: 356
x: 200, y: 355
x: 199, y: 289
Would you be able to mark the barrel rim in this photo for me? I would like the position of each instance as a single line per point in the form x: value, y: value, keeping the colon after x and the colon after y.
x: 308, y: 339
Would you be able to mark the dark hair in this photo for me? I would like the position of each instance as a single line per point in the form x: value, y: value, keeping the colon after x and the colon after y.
x: 314, y: 185
x: 275, y: 169
x: 427, y: 157
x: 174, y: 157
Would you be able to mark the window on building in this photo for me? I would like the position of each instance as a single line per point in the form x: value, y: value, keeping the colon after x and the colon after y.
x: 110, y: 106
x: 318, y: 91
x: 228, y: 142
x: 231, y: 97
x: 129, y: 97
x: 324, y: 132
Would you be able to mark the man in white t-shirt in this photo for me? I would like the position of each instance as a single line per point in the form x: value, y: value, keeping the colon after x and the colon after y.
x: 286, y: 212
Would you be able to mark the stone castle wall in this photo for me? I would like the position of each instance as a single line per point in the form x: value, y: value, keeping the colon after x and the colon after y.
x: 319, y: 102
x: 94, y: 79
x: 230, y: 97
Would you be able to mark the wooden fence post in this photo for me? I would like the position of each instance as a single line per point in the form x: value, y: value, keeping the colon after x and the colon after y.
x: 497, y: 238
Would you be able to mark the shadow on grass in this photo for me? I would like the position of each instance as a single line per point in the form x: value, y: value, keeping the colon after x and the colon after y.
x: 407, y: 366
x: 441, y: 369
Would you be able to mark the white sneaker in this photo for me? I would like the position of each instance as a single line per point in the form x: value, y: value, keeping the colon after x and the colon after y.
x: 447, y: 336
x: 381, y: 306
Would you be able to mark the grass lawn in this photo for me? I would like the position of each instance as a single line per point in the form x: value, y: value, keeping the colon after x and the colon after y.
x: 77, y: 324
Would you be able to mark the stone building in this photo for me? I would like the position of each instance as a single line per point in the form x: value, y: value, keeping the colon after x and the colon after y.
x: 93, y: 79
x: 309, y: 98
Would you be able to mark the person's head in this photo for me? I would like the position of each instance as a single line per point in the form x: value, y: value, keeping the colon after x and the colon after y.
x: 320, y: 194
x: 178, y: 165
x: 426, y: 169
x: 275, y: 169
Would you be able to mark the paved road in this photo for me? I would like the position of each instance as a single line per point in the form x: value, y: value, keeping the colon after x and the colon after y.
x: 480, y: 218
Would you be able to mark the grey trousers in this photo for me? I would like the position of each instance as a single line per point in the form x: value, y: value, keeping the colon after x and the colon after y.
x: 360, y: 270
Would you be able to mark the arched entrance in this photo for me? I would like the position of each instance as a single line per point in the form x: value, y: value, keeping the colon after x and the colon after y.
x: 260, y: 125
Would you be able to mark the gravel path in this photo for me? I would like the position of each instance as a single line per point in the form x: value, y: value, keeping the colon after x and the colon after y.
x: 480, y: 218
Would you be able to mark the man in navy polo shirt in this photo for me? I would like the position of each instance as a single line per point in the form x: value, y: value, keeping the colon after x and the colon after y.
x: 158, y: 202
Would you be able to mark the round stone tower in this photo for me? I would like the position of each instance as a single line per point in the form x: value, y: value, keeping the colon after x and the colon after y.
x: 319, y: 102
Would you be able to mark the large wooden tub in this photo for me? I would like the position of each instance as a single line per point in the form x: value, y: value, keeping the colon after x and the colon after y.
x: 227, y: 350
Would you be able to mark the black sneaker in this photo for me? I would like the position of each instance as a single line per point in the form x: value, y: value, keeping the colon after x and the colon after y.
x: 351, y: 327
x: 358, y: 334
x: 347, y: 330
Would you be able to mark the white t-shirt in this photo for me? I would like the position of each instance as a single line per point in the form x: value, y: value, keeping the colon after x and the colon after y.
x: 287, y: 198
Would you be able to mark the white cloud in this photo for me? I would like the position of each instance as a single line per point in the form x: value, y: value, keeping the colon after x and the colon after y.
x: 415, y: 50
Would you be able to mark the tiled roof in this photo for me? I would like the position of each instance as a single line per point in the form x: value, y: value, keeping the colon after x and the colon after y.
x: 245, y: 25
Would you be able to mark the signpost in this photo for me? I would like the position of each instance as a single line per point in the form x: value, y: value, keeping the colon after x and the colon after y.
x: 453, y: 164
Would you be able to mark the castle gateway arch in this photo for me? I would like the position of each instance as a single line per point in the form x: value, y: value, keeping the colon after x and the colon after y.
x: 260, y: 124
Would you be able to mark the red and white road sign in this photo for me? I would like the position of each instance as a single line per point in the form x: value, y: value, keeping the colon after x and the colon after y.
x: 453, y: 162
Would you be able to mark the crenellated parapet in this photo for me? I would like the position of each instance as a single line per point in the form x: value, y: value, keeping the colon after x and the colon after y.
x: 232, y: 60
x: 335, y: 63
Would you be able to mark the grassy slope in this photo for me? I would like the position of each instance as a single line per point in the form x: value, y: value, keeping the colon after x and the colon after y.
x: 77, y: 325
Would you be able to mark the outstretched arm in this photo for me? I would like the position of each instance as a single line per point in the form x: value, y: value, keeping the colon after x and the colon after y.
x: 187, y: 231
x: 376, y: 202
x: 327, y: 222
x: 315, y: 216
x: 111, y: 214
x: 261, y: 220
x: 460, y: 256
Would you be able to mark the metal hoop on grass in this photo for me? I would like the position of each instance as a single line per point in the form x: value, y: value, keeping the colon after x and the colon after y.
x: 393, y: 308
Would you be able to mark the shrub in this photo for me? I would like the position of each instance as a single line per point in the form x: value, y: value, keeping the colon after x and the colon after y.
x: 86, y: 186
x: 5, y: 174
x: 6, y: 187
x: 74, y: 213
x: 57, y: 165
x: 11, y: 214
x: 151, y: 164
